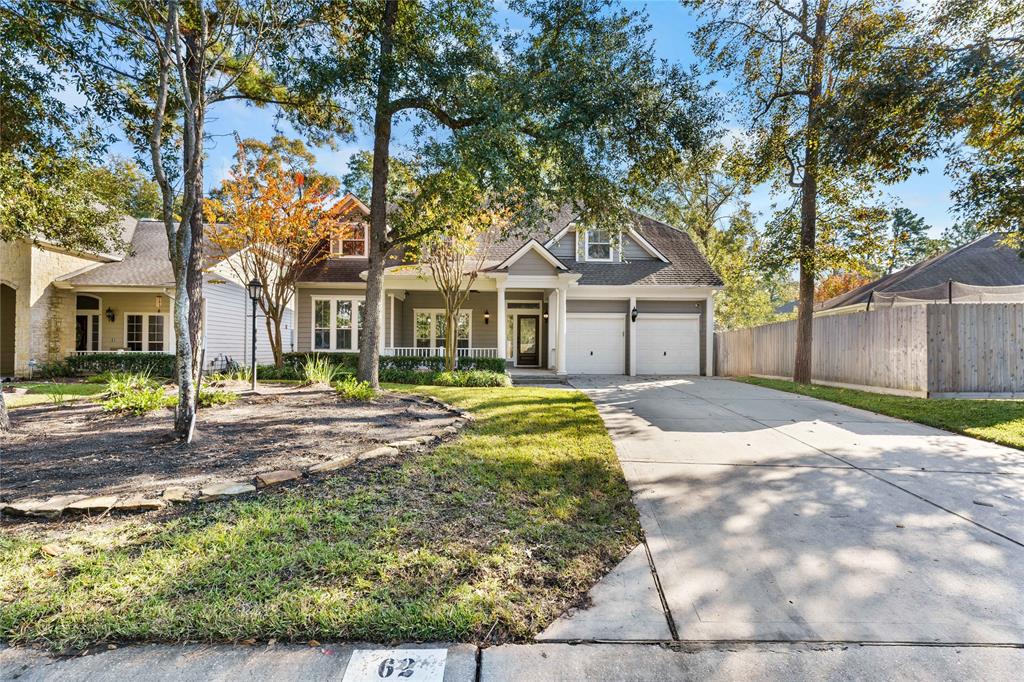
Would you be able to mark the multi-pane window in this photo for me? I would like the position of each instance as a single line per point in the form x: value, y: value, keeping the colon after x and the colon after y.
x: 429, y: 328
x: 144, y: 332
x: 599, y: 244
x: 156, y: 333
x: 133, y: 333
x: 335, y: 327
x: 353, y: 243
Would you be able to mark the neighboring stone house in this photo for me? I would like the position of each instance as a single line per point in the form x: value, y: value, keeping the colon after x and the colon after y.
x: 54, y: 304
x: 636, y: 300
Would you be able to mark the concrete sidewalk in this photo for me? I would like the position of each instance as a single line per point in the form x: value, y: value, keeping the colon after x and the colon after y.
x: 526, y: 663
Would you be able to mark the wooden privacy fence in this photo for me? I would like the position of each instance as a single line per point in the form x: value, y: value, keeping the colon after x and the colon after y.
x: 929, y: 349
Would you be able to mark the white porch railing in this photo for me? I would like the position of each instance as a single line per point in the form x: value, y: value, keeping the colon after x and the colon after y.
x: 411, y: 351
x: 92, y: 352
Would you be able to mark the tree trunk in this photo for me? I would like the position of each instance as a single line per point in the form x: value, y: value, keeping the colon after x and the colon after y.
x: 451, y: 335
x: 189, y: 271
x: 274, y: 334
x: 374, y: 305
x: 803, y: 362
x: 5, y: 418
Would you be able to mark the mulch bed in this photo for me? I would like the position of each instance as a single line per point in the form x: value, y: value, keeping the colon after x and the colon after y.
x: 79, y: 448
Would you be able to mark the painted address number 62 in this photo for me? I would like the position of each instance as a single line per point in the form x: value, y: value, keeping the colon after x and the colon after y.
x: 387, y: 667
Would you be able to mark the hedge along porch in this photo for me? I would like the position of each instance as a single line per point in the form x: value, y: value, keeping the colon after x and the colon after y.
x: 934, y: 350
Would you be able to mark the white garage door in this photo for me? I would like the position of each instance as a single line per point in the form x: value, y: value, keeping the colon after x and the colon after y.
x: 595, y: 343
x: 668, y: 344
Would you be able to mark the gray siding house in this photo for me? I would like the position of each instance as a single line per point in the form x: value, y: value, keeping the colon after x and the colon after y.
x: 636, y: 301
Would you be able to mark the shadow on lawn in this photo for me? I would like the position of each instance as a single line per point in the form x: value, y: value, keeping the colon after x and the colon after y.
x: 494, y: 534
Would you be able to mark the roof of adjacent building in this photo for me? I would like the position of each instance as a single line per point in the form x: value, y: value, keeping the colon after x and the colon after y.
x: 686, y: 265
x: 147, y: 263
x: 983, y: 262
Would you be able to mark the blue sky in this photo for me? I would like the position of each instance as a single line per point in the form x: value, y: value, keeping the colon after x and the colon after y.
x: 926, y: 194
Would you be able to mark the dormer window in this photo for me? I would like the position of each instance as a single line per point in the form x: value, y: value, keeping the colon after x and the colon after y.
x: 598, y: 245
x: 353, y: 245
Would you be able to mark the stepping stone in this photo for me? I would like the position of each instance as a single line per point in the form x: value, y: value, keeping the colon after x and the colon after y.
x: 54, y: 506
x: 332, y: 464
x: 450, y: 429
x: 407, y: 443
x: 100, y: 503
x: 429, y: 438
x: 22, y: 507
x: 220, y: 491
x: 382, y: 451
x: 177, y: 494
x: 276, y: 478
x: 138, y: 503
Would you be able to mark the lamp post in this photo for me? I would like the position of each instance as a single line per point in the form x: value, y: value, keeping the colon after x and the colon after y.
x: 255, y: 287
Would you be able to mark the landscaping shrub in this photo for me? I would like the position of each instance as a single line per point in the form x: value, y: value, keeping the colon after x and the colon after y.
x: 103, y: 378
x: 136, y: 393
x: 488, y: 364
x: 298, y: 360
x: 350, y: 361
x: 472, y: 378
x: 350, y: 389
x: 320, y: 370
x: 53, y: 370
x: 155, y: 364
x: 469, y: 379
x: 208, y: 397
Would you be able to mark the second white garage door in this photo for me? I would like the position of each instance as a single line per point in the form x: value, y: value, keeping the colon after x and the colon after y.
x: 595, y: 343
x: 668, y: 344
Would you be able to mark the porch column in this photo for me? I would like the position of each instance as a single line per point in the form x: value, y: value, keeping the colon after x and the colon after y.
x: 632, y: 336
x: 709, y: 355
x: 502, y: 345
x: 560, y: 367
x: 551, y: 335
x: 381, y: 340
x: 391, y: 322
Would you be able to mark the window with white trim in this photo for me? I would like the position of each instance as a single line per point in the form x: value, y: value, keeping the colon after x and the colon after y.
x: 429, y: 328
x: 353, y: 245
x: 145, y: 332
x: 598, y: 244
x: 335, y: 327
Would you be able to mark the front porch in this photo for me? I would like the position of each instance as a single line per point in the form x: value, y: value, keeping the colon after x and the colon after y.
x: 517, y: 325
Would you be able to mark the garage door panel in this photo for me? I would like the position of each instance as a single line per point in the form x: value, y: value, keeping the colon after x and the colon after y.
x: 595, y: 343
x: 668, y: 345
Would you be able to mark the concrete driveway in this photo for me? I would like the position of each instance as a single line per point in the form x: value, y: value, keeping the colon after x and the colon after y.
x: 771, y: 516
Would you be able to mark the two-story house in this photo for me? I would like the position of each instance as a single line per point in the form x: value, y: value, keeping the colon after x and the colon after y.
x: 637, y: 300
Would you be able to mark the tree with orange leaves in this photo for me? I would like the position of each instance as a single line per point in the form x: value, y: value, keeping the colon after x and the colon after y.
x: 269, y: 220
x: 838, y: 283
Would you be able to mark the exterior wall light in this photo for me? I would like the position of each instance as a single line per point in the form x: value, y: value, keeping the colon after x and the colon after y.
x: 487, y: 317
x: 634, y: 313
x: 110, y: 315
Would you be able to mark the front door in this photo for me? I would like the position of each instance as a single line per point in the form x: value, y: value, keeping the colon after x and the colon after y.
x: 527, y: 341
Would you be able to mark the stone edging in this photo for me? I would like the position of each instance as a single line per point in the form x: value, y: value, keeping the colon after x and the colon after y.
x: 58, y: 505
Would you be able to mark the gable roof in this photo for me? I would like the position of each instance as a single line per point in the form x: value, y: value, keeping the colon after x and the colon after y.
x: 147, y: 263
x: 532, y: 246
x: 983, y: 262
x: 676, y: 260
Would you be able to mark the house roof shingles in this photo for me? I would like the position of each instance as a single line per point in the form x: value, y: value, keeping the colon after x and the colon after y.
x: 146, y: 265
x: 687, y: 266
x: 983, y: 262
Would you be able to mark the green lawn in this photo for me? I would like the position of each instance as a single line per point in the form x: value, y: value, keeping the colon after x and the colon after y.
x: 999, y: 421
x: 47, y: 392
x: 495, y: 532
